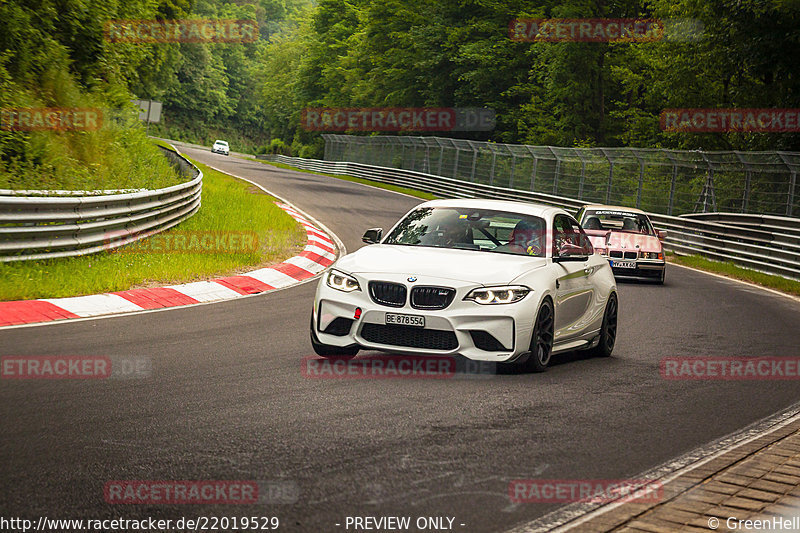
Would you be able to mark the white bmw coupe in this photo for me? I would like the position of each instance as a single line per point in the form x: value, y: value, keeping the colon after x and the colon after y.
x: 491, y: 280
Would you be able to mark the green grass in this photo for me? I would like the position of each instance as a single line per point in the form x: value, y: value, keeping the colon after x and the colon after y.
x: 387, y: 186
x: 117, y: 156
x: 731, y: 270
x: 228, y: 204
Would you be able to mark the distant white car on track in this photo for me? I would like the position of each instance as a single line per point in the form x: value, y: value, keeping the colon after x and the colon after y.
x: 490, y: 280
x: 221, y: 147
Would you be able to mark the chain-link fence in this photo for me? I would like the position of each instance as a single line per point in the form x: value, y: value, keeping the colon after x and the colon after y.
x: 671, y: 182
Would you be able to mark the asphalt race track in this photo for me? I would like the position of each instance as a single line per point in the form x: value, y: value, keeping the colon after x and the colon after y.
x: 226, y: 400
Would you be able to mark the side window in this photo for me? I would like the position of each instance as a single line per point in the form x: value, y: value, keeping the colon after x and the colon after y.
x: 566, y: 230
x: 562, y: 232
x: 579, y: 214
x: 583, y: 240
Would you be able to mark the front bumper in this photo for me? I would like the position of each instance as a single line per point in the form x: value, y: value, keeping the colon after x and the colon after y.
x: 644, y: 268
x: 481, y: 332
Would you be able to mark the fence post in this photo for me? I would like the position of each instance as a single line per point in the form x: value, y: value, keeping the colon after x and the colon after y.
x: 513, y: 166
x: 641, y: 185
x: 455, y: 163
x: 558, y: 168
x: 747, y: 180
x: 610, y: 175
x: 792, y: 183
x: 474, y: 161
x: 533, y: 170
x: 441, y: 154
x: 583, y: 174
x: 494, y: 160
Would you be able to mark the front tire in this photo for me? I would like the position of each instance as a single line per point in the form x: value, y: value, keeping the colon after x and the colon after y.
x: 541, y: 349
x: 608, y: 332
x: 326, y: 350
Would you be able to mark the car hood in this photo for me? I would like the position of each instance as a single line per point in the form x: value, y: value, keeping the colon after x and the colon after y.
x: 463, y: 265
x: 623, y: 240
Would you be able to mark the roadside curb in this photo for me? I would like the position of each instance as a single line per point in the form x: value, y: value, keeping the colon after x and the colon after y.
x: 320, y: 252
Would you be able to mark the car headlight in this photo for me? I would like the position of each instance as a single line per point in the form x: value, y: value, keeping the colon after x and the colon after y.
x: 498, y: 295
x: 652, y: 255
x: 341, y: 281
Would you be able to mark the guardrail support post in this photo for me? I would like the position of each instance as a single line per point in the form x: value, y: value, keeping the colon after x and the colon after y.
x: 790, y: 199
x: 610, y: 180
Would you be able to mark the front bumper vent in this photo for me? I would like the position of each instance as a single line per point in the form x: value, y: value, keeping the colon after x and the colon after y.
x: 485, y: 341
x: 340, y: 327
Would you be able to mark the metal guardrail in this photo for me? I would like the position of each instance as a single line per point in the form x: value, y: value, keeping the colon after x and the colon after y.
x: 50, y: 224
x: 774, y: 251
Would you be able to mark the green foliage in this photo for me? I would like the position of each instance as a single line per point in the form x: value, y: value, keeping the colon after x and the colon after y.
x: 437, y: 53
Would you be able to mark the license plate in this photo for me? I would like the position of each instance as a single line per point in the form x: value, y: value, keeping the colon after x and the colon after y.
x: 405, y: 320
x: 623, y: 264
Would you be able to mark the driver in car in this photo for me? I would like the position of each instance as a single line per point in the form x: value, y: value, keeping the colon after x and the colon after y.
x: 526, y: 239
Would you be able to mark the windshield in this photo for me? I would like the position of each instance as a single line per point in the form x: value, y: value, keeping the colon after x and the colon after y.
x: 472, y: 229
x: 223, y: 143
x: 608, y: 219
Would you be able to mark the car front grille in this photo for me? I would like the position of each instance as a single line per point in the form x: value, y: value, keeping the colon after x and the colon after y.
x: 630, y: 255
x: 386, y: 293
x: 408, y: 336
x: 615, y: 253
x: 432, y: 297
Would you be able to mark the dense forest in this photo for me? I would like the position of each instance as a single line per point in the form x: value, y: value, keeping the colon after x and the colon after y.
x: 404, y: 53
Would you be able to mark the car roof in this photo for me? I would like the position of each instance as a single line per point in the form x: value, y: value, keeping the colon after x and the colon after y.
x: 526, y: 208
x: 615, y: 208
x: 218, y: 141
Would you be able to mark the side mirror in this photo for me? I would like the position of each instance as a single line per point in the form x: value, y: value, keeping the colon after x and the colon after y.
x: 570, y: 252
x: 662, y: 234
x: 372, y: 236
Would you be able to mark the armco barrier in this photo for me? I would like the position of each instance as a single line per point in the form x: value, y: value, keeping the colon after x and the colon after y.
x: 773, y: 248
x: 49, y: 224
